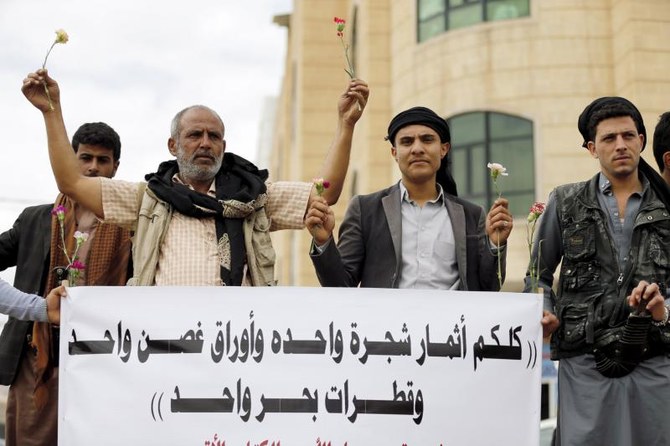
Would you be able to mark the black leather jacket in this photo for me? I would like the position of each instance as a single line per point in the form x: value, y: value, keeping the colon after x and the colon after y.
x: 591, y: 302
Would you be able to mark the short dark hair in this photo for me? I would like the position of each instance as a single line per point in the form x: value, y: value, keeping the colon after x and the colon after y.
x: 608, y: 107
x: 613, y: 110
x: 662, y: 139
x: 98, y: 134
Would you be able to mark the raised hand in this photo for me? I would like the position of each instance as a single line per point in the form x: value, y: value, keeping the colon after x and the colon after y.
x: 353, y: 100
x: 35, y: 87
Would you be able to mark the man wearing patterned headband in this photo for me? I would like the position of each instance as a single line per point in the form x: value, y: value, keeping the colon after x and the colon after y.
x: 416, y: 233
x: 608, y: 320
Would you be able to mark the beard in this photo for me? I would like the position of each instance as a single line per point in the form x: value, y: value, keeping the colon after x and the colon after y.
x: 192, y: 171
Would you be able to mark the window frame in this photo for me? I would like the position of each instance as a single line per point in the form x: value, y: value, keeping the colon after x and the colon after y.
x: 486, y: 141
x: 447, y: 9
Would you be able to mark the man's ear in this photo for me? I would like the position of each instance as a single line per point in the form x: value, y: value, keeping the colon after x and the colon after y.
x: 172, y: 146
x: 394, y: 154
x: 445, y: 149
x: 666, y: 160
x: 116, y: 167
x: 592, y: 148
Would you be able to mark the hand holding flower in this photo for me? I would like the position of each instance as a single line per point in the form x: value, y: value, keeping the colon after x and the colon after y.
x: 320, y: 220
x: 41, y: 90
x: 352, y: 101
x: 499, y: 223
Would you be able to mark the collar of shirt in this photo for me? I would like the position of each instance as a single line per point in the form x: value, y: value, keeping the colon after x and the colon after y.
x: 404, y: 194
x: 621, y: 226
x: 428, y: 249
x: 605, y: 186
x: 212, y: 187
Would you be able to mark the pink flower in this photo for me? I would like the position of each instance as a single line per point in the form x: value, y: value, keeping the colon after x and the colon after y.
x: 321, y: 185
x: 81, y: 237
x: 59, y: 212
x: 339, y: 27
x: 78, y: 265
x: 535, y: 211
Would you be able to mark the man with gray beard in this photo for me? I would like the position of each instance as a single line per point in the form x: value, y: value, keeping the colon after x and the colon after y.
x: 205, y: 217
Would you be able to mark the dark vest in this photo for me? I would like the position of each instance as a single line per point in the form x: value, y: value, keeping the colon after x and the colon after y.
x: 592, y: 293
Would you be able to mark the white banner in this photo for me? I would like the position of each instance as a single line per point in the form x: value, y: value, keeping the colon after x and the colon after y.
x: 298, y: 366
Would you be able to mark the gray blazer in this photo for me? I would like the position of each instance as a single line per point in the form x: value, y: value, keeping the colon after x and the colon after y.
x: 368, y: 252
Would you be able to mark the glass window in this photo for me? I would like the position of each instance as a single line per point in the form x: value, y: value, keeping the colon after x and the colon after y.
x: 431, y: 18
x: 438, y: 16
x: 430, y: 8
x: 479, y: 138
x: 466, y: 15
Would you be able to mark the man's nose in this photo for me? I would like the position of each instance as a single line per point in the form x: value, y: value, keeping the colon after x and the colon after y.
x: 620, y: 142
x: 205, y: 141
x: 93, y: 166
x: 417, y: 146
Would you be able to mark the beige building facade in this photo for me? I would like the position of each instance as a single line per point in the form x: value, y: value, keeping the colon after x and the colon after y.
x: 541, y: 66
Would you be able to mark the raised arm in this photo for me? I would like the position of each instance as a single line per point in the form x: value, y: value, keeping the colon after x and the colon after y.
x: 350, y: 108
x: 86, y: 191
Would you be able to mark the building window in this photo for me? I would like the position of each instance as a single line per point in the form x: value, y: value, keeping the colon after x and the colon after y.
x: 438, y: 16
x: 481, y: 137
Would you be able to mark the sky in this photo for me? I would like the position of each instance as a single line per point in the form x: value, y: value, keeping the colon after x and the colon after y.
x: 133, y: 65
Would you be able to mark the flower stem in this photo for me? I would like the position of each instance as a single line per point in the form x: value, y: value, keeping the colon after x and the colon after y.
x: 62, y: 239
x: 498, y: 258
x: 350, y: 69
x: 44, y: 64
x: 46, y: 89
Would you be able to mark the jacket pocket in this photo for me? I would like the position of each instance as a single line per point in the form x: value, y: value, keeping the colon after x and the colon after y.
x: 581, y: 276
x: 261, y: 241
x: 579, y: 240
x: 577, y: 321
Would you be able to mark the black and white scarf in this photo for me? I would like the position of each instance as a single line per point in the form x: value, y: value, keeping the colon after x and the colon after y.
x: 240, y: 190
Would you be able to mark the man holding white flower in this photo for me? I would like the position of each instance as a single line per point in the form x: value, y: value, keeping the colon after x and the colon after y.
x: 205, y: 217
x: 28, y: 351
x: 608, y: 320
x: 416, y: 233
